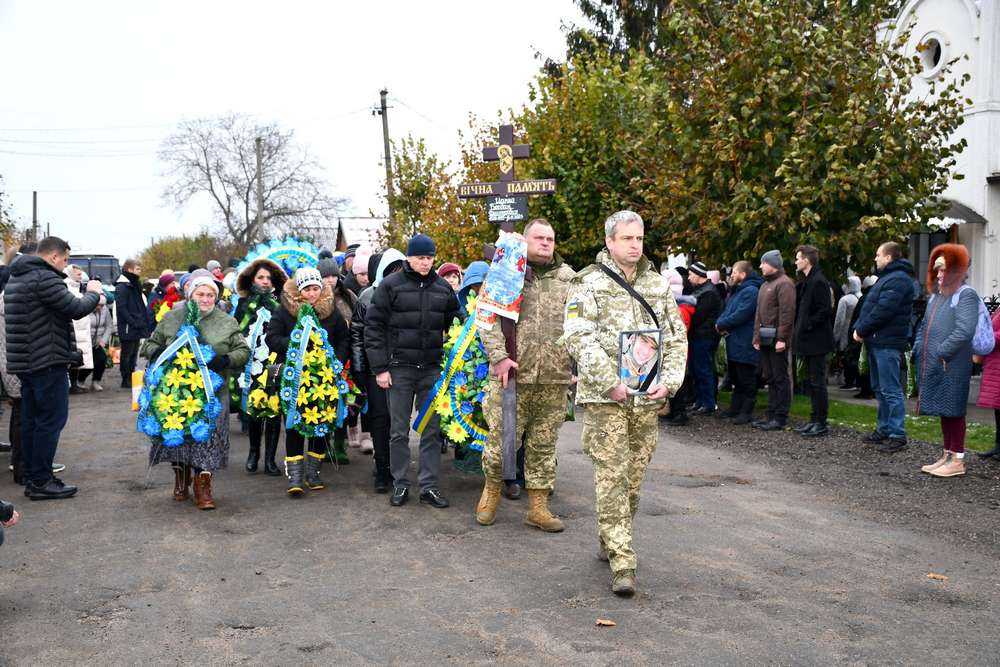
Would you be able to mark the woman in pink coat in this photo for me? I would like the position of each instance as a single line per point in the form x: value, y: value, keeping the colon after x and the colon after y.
x: 989, y: 390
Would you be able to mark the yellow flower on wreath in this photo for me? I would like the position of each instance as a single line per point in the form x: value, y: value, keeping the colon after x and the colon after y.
x: 165, y: 403
x: 306, y: 379
x: 316, y: 356
x: 175, y: 378
x: 442, y: 406
x: 456, y: 433
x: 311, y: 415
x: 330, y: 415
x: 258, y: 397
x: 273, y: 402
x: 193, y: 380
x: 173, y: 421
x: 184, y: 358
x: 190, y: 406
x: 303, y: 397
x: 318, y: 392
x: 326, y: 375
x: 316, y: 339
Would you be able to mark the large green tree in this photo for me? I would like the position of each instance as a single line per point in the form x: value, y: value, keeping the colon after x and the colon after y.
x: 754, y: 126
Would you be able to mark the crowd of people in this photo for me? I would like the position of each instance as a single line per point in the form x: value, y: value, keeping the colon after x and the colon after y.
x: 374, y: 323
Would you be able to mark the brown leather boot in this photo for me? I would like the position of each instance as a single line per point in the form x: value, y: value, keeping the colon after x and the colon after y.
x: 930, y: 467
x: 182, y: 480
x: 203, y: 491
x: 486, y: 510
x: 539, y: 515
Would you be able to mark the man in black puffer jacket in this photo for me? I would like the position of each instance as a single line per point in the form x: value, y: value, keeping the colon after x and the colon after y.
x: 133, y: 317
x: 404, y: 337
x: 40, y: 310
x: 813, y: 335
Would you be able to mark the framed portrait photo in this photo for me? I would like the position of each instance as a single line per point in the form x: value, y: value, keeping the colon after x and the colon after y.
x: 639, y: 359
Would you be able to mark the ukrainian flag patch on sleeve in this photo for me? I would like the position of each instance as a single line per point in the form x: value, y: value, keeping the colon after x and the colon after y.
x: 572, y: 309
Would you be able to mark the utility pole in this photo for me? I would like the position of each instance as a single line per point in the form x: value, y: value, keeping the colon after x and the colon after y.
x: 34, y: 216
x: 260, y: 185
x: 382, y: 111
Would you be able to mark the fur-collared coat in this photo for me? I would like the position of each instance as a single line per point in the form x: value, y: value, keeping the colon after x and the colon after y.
x: 279, y: 329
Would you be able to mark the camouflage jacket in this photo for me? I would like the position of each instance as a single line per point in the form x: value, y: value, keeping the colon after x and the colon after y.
x: 598, y: 309
x: 540, y: 359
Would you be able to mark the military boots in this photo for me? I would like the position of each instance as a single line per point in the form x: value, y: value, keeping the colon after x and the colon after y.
x: 539, y: 515
x: 486, y: 511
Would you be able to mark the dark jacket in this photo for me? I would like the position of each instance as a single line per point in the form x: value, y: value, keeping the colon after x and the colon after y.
x: 706, y: 312
x: 134, y: 318
x: 737, y: 320
x: 405, y: 324
x: 350, y: 282
x: 813, y: 316
x: 282, y: 323
x: 885, y: 314
x: 39, y: 312
x: 776, y: 307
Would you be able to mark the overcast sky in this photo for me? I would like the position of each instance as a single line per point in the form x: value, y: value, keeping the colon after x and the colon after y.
x: 91, y: 88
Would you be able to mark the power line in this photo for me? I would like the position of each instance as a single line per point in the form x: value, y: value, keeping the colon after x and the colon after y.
x: 84, y: 129
x: 425, y: 117
x: 78, y: 141
x: 79, y: 155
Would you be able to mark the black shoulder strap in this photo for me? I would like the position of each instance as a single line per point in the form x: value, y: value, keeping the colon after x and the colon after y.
x: 631, y: 290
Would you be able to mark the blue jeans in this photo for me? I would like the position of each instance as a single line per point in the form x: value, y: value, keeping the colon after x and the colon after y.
x: 44, y: 410
x: 883, y: 365
x: 702, y: 352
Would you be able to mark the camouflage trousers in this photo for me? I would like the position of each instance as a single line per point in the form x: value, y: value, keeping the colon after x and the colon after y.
x: 620, y: 440
x: 541, y: 410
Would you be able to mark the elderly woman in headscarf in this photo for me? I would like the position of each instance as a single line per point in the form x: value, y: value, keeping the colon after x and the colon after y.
x: 944, y: 352
x: 195, y: 461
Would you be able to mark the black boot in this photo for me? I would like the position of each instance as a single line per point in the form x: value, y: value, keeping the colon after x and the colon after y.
x: 991, y: 454
x: 253, y: 457
x: 272, y: 431
x: 295, y: 465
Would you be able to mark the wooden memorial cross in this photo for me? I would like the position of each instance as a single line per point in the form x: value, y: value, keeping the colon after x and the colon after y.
x: 507, y: 203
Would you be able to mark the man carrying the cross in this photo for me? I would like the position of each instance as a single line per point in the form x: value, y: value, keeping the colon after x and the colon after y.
x: 622, y: 292
x: 543, y: 374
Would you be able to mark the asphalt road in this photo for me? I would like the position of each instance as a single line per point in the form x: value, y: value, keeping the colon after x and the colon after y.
x: 737, y: 566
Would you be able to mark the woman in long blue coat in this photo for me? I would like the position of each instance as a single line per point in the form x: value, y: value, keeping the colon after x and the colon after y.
x: 944, y: 353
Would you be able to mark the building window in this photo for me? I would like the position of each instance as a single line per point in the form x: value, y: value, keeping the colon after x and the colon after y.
x: 932, y: 50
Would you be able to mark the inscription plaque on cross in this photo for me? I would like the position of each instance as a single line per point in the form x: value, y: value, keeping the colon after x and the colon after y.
x: 507, y: 203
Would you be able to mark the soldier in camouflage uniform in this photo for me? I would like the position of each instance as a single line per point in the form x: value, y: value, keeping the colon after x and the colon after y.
x: 620, y: 430
x: 543, y: 374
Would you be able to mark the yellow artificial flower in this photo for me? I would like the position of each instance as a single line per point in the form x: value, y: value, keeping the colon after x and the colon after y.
x: 273, y: 357
x: 175, y: 378
x: 330, y: 416
x: 315, y: 339
x: 442, y: 406
x: 194, y: 380
x: 456, y: 433
x: 326, y: 375
x: 303, y: 397
x: 454, y: 331
x: 257, y: 397
x: 273, y: 403
x: 162, y: 311
x: 311, y: 415
x: 306, y: 379
x: 184, y: 358
x: 173, y: 421
x: 318, y: 392
x: 165, y: 402
x: 316, y: 356
x: 262, y: 379
x: 190, y: 406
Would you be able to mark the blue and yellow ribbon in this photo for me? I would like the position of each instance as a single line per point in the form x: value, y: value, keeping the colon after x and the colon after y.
x: 454, y: 363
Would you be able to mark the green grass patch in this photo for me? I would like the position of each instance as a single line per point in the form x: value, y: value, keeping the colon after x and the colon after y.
x: 861, y: 418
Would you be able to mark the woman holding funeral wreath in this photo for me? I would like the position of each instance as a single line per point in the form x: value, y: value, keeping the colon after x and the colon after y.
x: 258, y: 286
x: 312, y: 341
x: 184, y: 400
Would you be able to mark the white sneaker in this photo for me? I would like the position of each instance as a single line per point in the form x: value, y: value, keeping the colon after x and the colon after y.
x: 57, y: 468
x: 366, y: 443
x: 354, y: 436
x: 94, y: 386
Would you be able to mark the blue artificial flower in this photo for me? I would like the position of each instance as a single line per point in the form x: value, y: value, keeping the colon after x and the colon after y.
x: 322, y: 429
x: 467, y: 356
x: 207, y: 353
x: 149, y: 426
x: 480, y: 397
x: 287, y: 394
x: 214, y: 408
x: 173, y: 438
x: 155, y: 376
x: 461, y: 378
x: 293, y: 262
x: 336, y: 366
x: 467, y: 408
x: 144, y: 399
x: 216, y: 381
x: 482, y: 370
x: 297, y: 335
x: 342, y: 387
x: 293, y: 354
x: 288, y: 373
x: 296, y: 417
x: 200, y: 431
